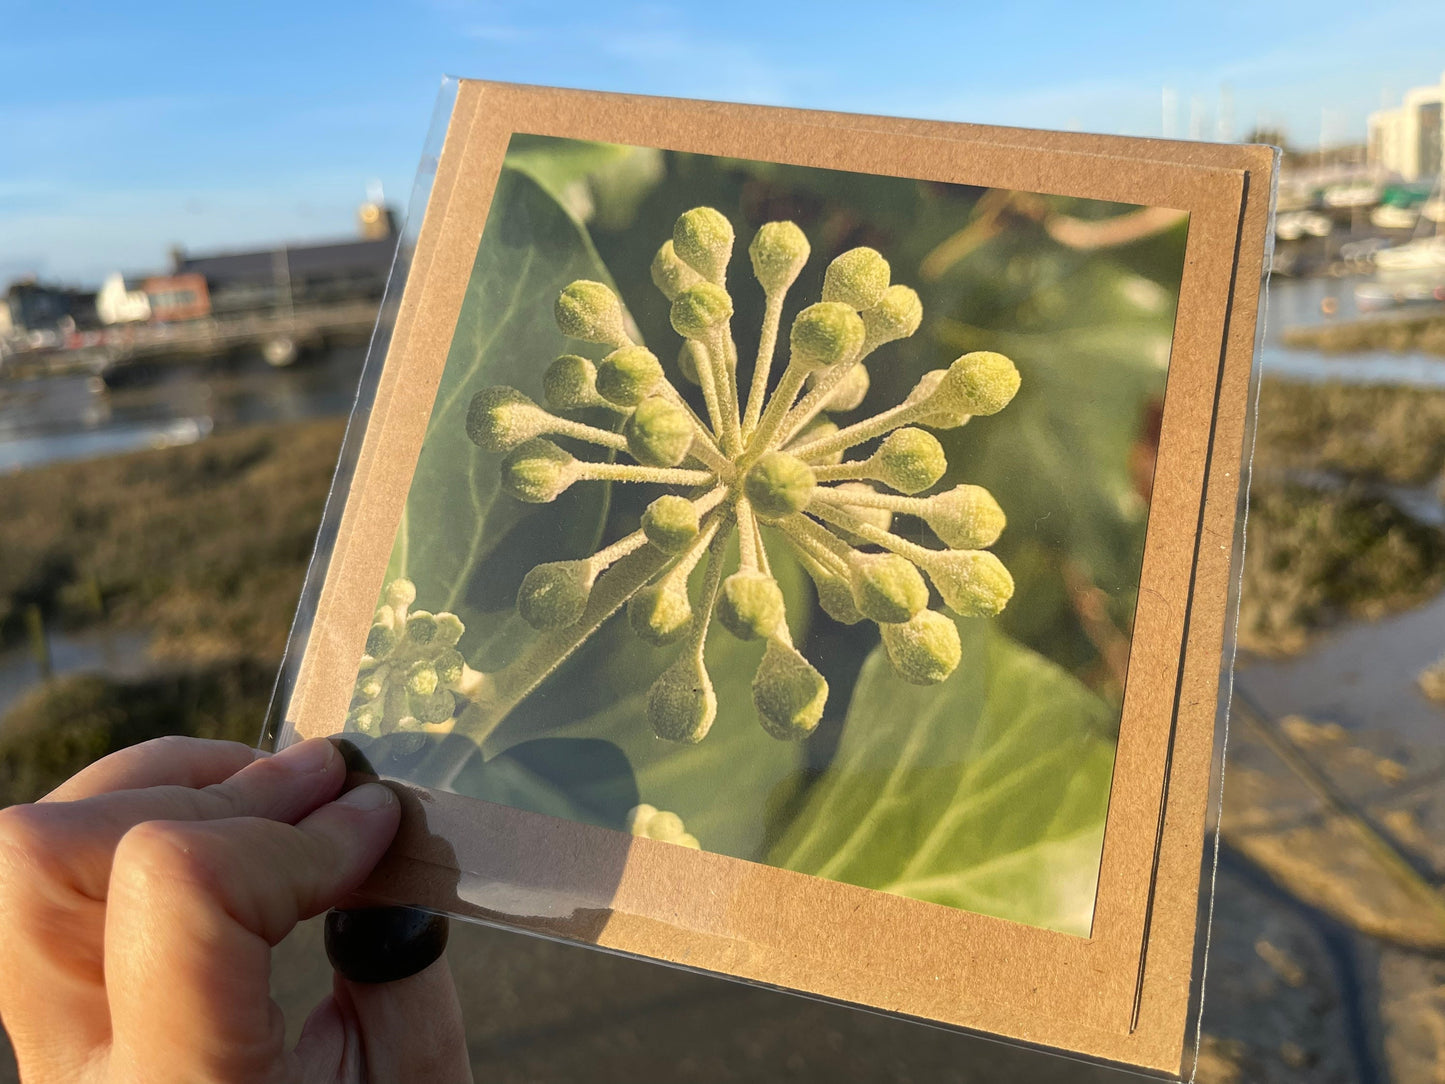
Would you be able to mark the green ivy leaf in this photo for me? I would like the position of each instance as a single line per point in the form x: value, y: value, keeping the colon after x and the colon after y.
x: 1091, y: 341
x: 464, y: 543
x: 585, y: 781
x: 986, y: 792
x: 598, y: 183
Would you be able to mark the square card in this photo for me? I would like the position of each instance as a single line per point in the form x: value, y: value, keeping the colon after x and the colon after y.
x: 800, y: 547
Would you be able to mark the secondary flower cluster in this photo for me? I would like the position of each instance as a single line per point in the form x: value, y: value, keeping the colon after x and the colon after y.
x: 652, y: 823
x: 411, y: 673
x: 760, y: 460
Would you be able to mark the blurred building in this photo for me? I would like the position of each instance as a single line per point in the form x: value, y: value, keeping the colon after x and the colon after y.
x: 265, y: 280
x: 172, y: 298
x: 1410, y: 141
x: 122, y: 300
x: 32, y: 307
x: 291, y: 276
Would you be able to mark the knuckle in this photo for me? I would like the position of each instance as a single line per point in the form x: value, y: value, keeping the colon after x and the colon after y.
x: 157, y: 854
x: 31, y: 857
x: 24, y: 838
x: 22, y: 829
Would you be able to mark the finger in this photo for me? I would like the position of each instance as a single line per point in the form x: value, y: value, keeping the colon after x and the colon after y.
x: 411, y: 1029
x: 55, y: 868
x: 170, y: 761
x: 83, y: 834
x: 329, y: 1047
x: 193, y: 912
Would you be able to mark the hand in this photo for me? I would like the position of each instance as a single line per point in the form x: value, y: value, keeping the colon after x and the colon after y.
x: 140, y: 902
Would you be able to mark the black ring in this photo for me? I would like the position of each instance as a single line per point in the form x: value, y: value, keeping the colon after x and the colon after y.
x: 384, y: 944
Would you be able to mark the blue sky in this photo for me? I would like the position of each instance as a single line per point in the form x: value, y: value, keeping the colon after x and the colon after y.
x: 127, y: 128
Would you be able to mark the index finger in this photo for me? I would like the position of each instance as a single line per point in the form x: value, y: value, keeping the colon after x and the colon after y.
x: 76, y: 840
x: 174, y: 760
x: 194, y: 911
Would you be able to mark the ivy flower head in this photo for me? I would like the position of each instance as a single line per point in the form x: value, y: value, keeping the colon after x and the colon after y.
x: 411, y: 672
x: 757, y: 463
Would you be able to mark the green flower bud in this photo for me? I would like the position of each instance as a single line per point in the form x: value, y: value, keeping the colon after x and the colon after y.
x: 433, y: 708
x: 400, y: 593
x: 699, y: 309
x: 945, y: 412
x: 979, y: 383
x: 788, y: 692
x: 366, y: 719
x: 369, y: 687
x: 849, y: 392
x: 887, y: 588
x: 421, y: 679
x: 676, y: 837
x: 835, y: 594
x: 965, y: 517
x: 664, y: 825
x: 973, y: 583
x: 896, y: 316
x: 570, y: 383
x: 659, y: 614
x: 380, y: 640
x: 394, y: 708
x: 779, y: 251
x: 820, y: 426
x: 670, y: 523
x: 881, y: 518
x: 857, y: 279
x: 449, y: 665
x: 659, y: 432
x: 408, y: 744
x: 681, y: 704
x: 692, y: 354
x: 554, y: 595
x: 778, y: 485
x: 639, y: 817
x: 925, y: 649
x: 670, y: 274
x: 449, y: 628
x: 500, y: 418
x: 825, y: 334
x: 750, y: 605
x: 652, y: 823
x: 421, y: 627
x: 628, y: 376
x: 703, y: 238
x: 538, y: 471
x: 910, y: 461
x: 591, y: 312
x: 835, y: 598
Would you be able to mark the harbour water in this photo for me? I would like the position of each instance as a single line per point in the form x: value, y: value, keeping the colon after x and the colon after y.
x: 118, y: 654
x: 80, y: 417
x: 1297, y: 302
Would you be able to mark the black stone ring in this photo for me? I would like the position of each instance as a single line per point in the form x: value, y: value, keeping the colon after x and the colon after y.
x: 383, y: 944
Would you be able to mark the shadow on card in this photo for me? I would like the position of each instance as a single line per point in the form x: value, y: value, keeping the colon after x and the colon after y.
x: 480, y: 846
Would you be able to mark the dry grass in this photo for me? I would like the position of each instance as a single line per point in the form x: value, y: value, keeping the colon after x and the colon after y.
x: 1389, y: 434
x: 1425, y: 333
x: 205, y: 545
x: 1315, y: 558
